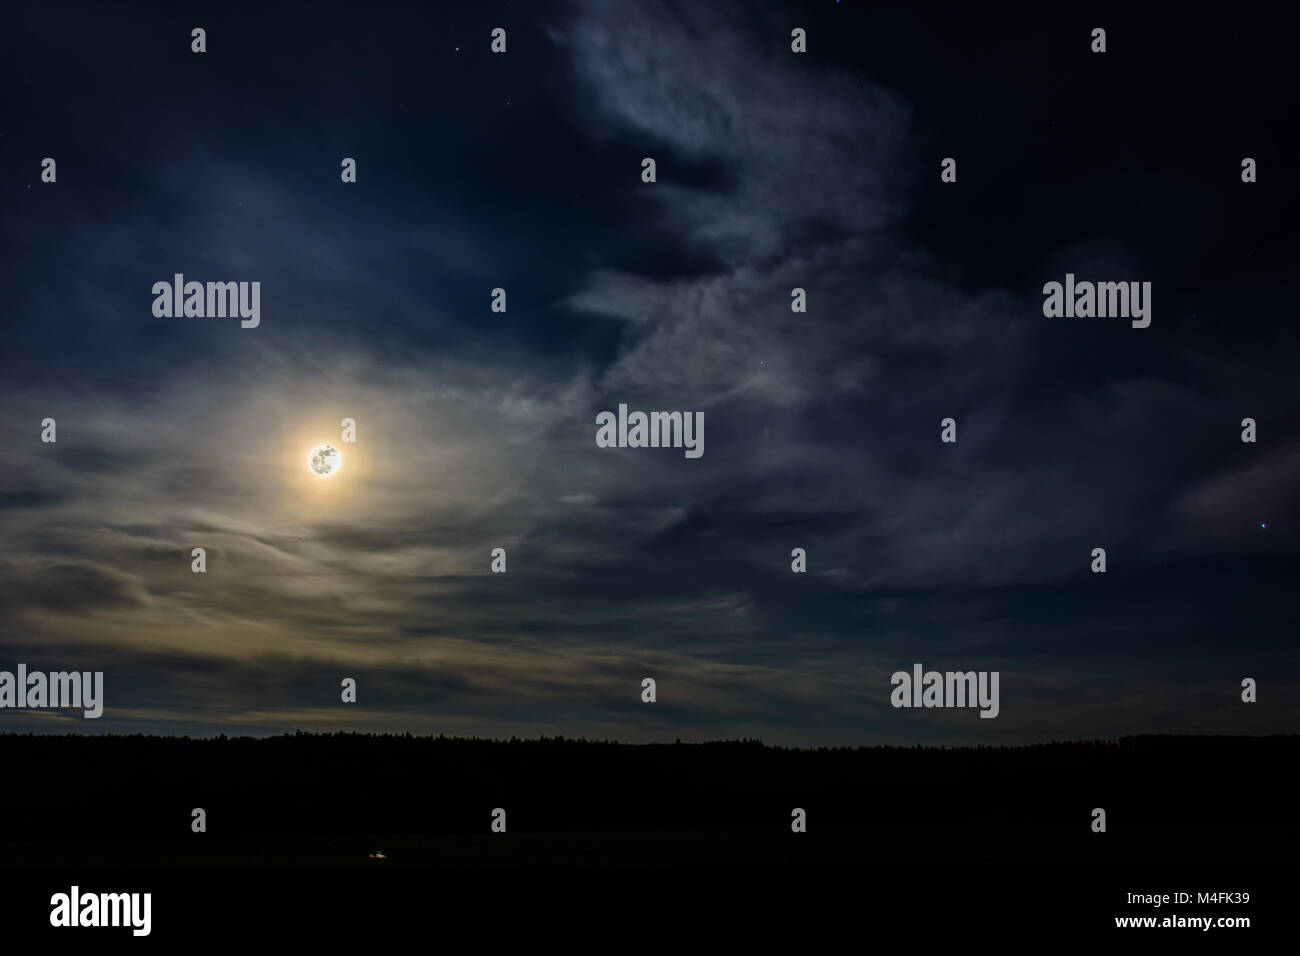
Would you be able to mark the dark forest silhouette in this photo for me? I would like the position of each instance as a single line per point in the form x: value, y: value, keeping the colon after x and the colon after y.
x: 327, y: 798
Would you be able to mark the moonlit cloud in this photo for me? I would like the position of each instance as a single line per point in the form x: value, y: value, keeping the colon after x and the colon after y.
x: 476, y: 429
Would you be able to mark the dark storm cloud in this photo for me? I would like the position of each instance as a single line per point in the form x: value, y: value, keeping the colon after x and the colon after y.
x: 54, y: 585
x: 27, y: 498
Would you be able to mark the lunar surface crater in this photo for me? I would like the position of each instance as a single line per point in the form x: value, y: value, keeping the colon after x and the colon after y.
x: 325, y: 460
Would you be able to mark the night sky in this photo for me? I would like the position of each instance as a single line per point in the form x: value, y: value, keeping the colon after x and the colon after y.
x: 476, y: 430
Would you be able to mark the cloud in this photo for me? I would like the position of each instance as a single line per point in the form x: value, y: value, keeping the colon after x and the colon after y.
x: 476, y: 430
x: 801, y: 151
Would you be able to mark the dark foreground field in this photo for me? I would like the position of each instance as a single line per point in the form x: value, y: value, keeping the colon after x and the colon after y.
x: 332, y: 800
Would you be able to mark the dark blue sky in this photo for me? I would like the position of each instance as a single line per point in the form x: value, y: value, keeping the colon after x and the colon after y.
x: 476, y: 429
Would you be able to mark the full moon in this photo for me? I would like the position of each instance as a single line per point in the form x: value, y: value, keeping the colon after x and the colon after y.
x: 324, y: 460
